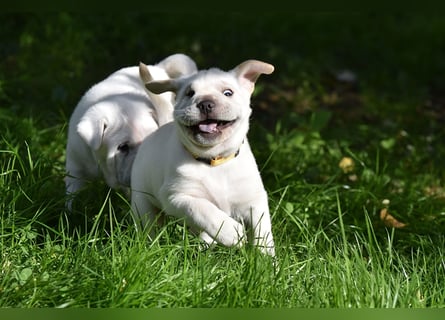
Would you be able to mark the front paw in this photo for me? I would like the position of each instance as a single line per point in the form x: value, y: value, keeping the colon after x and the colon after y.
x: 231, y: 234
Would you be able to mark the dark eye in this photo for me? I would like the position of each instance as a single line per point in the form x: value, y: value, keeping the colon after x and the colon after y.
x: 227, y: 92
x: 190, y: 92
x: 124, y: 147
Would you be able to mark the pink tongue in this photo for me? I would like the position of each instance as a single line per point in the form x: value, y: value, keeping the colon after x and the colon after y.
x: 208, y: 127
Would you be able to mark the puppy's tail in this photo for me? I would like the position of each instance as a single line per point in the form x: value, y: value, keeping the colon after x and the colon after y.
x: 163, y: 103
x: 178, y: 65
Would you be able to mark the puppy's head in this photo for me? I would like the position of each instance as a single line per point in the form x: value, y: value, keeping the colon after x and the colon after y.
x: 212, y: 107
x: 113, y: 136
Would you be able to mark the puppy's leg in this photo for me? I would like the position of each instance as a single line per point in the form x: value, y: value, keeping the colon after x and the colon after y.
x: 262, y: 233
x: 73, y: 183
x: 80, y: 167
x: 205, y: 216
x: 145, y: 214
x: 209, y: 241
x: 261, y: 227
x: 206, y: 240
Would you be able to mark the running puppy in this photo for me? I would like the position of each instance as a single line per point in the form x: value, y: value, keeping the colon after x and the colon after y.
x: 204, y: 170
x: 111, y: 120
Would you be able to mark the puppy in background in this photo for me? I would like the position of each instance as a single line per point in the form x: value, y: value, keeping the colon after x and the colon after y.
x: 203, y: 169
x: 111, y: 120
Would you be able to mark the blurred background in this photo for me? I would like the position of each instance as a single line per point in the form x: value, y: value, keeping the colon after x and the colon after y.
x: 49, y: 60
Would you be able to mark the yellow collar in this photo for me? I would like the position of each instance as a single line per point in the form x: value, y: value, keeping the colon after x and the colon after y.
x: 217, y: 160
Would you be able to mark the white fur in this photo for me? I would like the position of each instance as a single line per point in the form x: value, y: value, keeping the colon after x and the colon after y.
x: 220, y: 201
x: 111, y: 120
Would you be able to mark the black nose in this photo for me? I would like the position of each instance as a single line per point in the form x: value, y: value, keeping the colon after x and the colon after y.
x: 206, y: 106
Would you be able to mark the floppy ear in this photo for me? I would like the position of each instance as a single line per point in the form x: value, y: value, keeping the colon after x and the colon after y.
x: 150, y: 73
x: 249, y: 71
x: 161, y: 102
x: 92, y: 131
x: 160, y: 86
x: 144, y: 73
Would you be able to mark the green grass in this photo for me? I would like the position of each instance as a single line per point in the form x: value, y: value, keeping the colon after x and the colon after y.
x: 113, y: 266
x: 333, y: 248
x: 331, y: 251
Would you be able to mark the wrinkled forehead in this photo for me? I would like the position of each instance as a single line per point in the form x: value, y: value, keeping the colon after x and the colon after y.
x: 212, y: 79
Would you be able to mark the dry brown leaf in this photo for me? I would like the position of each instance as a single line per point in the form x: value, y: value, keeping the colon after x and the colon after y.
x: 389, y: 220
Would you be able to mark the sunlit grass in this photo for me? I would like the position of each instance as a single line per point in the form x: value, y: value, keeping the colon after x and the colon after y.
x: 331, y: 251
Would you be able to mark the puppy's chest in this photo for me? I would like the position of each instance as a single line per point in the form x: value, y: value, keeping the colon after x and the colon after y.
x: 227, y: 189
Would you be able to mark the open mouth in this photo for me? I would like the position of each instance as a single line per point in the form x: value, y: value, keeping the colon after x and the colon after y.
x: 211, y: 126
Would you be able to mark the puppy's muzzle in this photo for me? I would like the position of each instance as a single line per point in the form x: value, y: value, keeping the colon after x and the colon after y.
x: 206, y: 106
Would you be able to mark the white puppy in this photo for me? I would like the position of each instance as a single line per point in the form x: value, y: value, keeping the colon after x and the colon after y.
x: 111, y: 120
x: 204, y: 170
